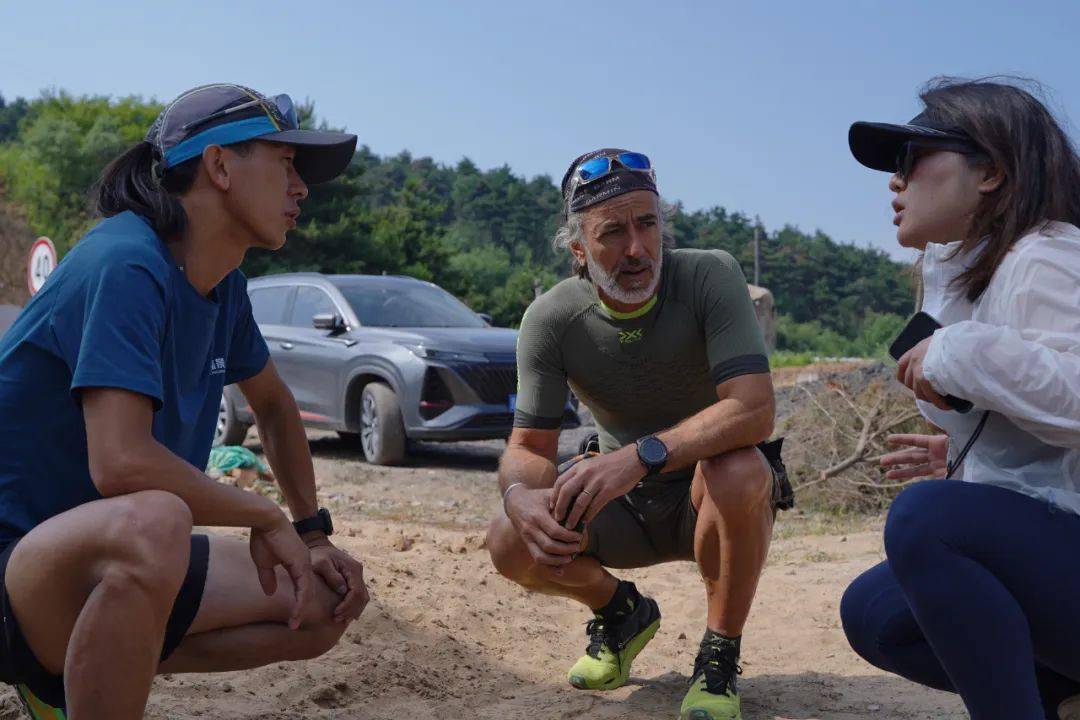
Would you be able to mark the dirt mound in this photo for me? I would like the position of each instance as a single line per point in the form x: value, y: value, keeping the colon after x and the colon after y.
x: 836, y: 427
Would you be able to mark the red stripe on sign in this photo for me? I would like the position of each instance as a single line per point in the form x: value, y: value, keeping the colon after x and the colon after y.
x: 51, y: 249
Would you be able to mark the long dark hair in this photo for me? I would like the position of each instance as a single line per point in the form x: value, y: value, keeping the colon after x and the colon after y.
x: 1022, y: 139
x: 132, y: 182
x: 129, y: 183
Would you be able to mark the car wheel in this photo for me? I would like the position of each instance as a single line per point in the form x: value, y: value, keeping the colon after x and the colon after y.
x: 382, y: 432
x: 229, y: 430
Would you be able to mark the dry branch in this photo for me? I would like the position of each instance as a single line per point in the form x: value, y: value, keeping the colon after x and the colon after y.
x: 840, y: 424
x: 860, y: 446
x: 866, y: 438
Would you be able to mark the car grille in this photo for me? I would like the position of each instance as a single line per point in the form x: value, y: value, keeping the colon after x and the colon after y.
x: 493, y: 382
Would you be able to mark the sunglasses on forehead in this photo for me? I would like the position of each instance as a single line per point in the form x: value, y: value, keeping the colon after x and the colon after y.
x: 599, y: 167
x: 911, y: 151
x: 280, y: 109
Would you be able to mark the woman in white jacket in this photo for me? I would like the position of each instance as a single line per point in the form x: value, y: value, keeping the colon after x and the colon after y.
x: 980, y: 594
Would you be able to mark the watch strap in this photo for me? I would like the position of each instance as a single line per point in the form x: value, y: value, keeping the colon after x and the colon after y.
x: 318, y: 521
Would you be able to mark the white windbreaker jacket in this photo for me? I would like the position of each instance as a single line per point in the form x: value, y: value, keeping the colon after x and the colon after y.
x: 1016, y: 352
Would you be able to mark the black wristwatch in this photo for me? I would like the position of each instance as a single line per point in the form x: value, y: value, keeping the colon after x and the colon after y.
x: 652, y: 452
x: 318, y: 521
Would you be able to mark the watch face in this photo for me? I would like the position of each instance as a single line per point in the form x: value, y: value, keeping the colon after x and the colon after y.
x: 653, y: 451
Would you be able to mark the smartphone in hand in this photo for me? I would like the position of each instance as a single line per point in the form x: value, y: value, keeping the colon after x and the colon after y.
x: 919, y: 327
x: 585, y: 455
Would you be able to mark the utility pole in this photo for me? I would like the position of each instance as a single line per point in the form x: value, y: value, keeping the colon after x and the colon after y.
x: 757, y: 250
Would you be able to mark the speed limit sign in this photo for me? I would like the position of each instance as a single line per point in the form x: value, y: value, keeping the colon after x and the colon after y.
x: 40, y: 264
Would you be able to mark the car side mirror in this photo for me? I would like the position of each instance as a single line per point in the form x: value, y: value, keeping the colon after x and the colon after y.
x: 486, y: 318
x: 328, y: 321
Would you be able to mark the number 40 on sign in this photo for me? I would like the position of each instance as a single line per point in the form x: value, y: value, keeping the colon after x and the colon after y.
x: 40, y: 264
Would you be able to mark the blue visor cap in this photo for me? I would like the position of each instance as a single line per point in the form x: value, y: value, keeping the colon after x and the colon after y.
x: 223, y: 114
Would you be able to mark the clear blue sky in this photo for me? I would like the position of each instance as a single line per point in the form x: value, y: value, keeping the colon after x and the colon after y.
x: 744, y: 105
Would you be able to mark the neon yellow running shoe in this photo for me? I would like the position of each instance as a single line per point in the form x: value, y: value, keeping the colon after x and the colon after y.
x: 37, y: 708
x: 613, y: 646
x: 713, y: 694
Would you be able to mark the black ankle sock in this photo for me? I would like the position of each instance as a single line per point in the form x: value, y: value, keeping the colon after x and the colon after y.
x: 624, y: 600
x: 711, y: 636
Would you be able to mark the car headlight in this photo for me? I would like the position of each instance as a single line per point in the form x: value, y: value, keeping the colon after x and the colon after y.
x: 426, y: 353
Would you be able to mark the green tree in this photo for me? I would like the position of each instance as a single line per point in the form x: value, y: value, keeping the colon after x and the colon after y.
x: 62, y: 145
x: 484, y: 235
x: 11, y: 114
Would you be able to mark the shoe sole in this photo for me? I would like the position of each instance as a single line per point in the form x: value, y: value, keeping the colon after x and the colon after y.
x: 706, y: 715
x: 617, y: 682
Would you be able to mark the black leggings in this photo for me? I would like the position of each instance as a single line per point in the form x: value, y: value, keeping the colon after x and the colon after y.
x: 980, y: 595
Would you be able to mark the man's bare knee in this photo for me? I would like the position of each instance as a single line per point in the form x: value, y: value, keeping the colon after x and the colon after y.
x: 156, y: 515
x: 318, y: 638
x: 512, y: 560
x: 505, y: 548
x: 148, y: 539
x: 318, y: 632
x: 738, y: 481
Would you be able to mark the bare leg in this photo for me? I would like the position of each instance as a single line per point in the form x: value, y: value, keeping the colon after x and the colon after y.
x: 733, y: 495
x: 584, y: 579
x: 239, y: 627
x: 92, y: 589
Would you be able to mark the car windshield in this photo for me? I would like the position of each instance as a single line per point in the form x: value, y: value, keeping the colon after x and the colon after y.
x: 401, y: 303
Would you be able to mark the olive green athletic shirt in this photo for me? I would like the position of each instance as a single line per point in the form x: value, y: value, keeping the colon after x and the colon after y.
x: 645, y: 371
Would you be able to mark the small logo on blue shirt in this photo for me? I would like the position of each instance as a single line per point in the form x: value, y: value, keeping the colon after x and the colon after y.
x: 217, y: 366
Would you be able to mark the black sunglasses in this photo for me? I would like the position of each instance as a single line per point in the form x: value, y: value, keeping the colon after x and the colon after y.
x: 911, y: 151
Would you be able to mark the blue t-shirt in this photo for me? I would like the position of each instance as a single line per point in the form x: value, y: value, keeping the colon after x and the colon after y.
x: 117, y: 312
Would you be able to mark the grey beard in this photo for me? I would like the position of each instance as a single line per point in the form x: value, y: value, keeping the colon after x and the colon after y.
x: 609, y: 283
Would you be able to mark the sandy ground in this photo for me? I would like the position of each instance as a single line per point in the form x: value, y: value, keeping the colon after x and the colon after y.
x: 447, y: 637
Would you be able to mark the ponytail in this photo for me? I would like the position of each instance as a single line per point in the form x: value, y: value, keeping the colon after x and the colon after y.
x: 129, y: 183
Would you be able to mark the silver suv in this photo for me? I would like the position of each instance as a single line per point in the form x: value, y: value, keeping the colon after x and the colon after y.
x: 382, y: 360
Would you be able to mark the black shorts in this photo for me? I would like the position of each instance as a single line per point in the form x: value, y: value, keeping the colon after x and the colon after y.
x: 18, y: 664
x: 654, y: 522
x: 651, y: 524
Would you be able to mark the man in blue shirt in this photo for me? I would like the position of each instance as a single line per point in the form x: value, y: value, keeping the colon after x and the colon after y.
x: 110, y: 381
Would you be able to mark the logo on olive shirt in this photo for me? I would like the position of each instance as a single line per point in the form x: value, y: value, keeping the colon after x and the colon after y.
x: 629, y: 336
x: 217, y: 366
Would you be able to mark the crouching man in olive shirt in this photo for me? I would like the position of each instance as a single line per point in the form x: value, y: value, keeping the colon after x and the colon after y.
x: 664, y: 348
